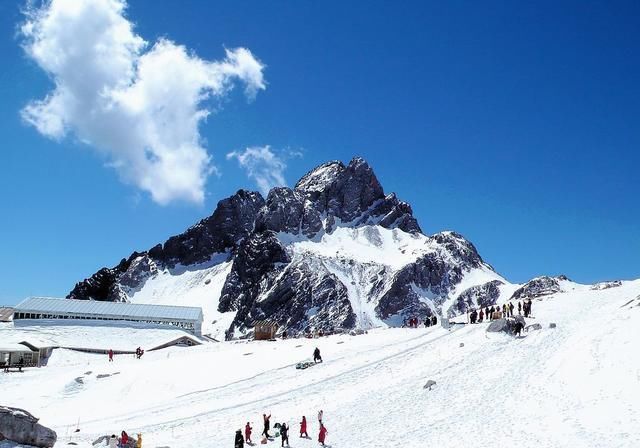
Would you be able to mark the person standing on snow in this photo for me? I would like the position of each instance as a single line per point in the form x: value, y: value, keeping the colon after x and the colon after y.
x: 247, y: 433
x: 239, y: 440
x: 322, y: 435
x: 284, y: 433
x: 113, y: 441
x: 110, y: 355
x: 124, y: 439
x: 303, y: 427
x: 320, y: 414
x: 316, y: 355
x: 139, y: 442
x: 266, y: 425
x: 434, y: 320
x: 481, y: 316
x: 511, y: 307
x: 529, y: 307
x: 519, y: 308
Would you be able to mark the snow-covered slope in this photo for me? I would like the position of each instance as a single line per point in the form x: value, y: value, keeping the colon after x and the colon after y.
x: 572, y: 386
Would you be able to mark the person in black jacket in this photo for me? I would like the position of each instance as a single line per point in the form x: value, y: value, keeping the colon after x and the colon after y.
x: 434, y: 320
x: 284, y: 433
x: 266, y: 418
x: 239, y: 439
x: 316, y: 355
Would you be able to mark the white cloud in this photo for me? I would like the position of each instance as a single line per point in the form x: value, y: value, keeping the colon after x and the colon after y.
x: 262, y: 165
x: 140, y: 105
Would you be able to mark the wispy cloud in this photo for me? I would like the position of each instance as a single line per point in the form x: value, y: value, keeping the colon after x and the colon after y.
x: 139, y: 104
x: 262, y: 165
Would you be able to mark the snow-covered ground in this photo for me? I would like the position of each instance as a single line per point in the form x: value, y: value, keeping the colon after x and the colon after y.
x: 577, y: 385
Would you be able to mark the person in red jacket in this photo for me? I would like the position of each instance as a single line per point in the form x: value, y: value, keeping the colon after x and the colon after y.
x: 247, y: 433
x: 303, y: 427
x: 124, y: 439
x: 110, y: 355
x: 322, y: 435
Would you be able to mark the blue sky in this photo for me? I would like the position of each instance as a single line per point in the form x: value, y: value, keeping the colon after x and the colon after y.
x: 515, y: 125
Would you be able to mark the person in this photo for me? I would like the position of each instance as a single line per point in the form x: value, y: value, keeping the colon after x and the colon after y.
x: 434, y: 320
x: 474, y: 316
x: 316, y: 355
x: 320, y: 415
x: 504, y: 310
x: 239, y: 440
x: 110, y: 355
x: 481, y: 315
x: 20, y: 364
x: 491, y: 311
x: 519, y: 307
x: 427, y: 322
x: 284, y: 434
x: 284, y: 334
x: 322, y: 435
x: 266, y: 425
x: 139, y: 442
x: 113, y: 441
x: 303, y: 427
x: 525, y: 308
x: 529, y: 307
x: 486, y: 312
x: 124, y: 439
x: 247, y: 433
x: 517, y: 329
x: 511, y: 307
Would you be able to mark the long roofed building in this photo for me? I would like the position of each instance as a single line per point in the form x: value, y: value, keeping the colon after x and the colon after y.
x: 185, y: 317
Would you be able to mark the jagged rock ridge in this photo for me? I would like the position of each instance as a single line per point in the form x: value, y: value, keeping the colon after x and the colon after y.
x: 334, y: 252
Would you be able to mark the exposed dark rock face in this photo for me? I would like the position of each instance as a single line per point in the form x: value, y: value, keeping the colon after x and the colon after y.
x: 301, y: 292
x: 477, y: 296
x: 20, y: 426
x: 232, y: 220
x: 540, y: 286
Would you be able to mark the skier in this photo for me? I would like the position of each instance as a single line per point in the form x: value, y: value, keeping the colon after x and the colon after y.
x: 247, y: 432
x: 322, y: 435
x: 303, y: 427
x: 113, y: 441
x: 284, y: 433
x: 320, y: 414
x: 239, y: 440
x: 316, y: 355
x: 266, y: 425
x: 110, y: 355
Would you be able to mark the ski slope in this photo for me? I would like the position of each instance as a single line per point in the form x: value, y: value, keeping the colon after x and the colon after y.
x: 572, y: 386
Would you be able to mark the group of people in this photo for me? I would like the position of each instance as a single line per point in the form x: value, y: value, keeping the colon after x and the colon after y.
x: 138, y: 355
x: 414, y: 322
x: 124, y: 441
x: 497, y: 312
x: 283, y: 428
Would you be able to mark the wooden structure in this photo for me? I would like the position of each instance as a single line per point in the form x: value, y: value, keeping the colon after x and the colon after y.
x: 14, y: 356
x: 263, y: 330
x: 6, y: 314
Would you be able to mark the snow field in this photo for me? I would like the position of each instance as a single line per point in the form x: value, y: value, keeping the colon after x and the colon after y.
x: 572, y: 386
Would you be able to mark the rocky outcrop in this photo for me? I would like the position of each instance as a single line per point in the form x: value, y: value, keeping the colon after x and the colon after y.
x: 540, y: 286
x: 482, y: 296
x: 606, y: 285
x: 21, y: 427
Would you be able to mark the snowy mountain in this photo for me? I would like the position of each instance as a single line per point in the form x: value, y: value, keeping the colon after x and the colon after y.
x: 334, y: 252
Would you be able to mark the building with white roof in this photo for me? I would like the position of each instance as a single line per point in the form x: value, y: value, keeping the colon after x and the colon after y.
x: 185, y: 317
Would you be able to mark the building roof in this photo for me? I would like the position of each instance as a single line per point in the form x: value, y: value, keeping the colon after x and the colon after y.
x: 5, y: 314
x: 13, y: 347
x: 109, y: 309
x: 265, y: 323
